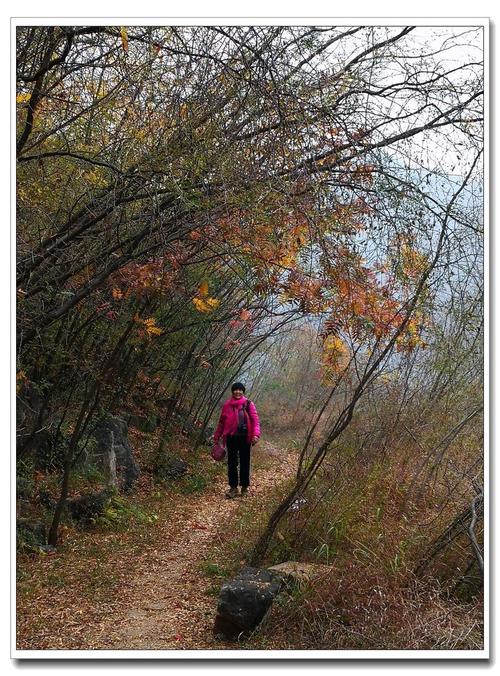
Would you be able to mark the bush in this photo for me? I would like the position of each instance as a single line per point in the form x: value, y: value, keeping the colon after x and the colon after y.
x: 120, y: 513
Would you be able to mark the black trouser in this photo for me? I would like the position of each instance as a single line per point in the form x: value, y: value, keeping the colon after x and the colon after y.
x: 238, y: 446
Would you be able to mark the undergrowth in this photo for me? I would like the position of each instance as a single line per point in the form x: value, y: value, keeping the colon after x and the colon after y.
x: 358, y: 518
x: 85, y: 561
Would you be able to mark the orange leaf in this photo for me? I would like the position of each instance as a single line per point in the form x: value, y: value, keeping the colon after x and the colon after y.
x: 124, y: 37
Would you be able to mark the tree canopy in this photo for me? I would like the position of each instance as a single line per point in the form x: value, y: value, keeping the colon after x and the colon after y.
x: 185, y: 195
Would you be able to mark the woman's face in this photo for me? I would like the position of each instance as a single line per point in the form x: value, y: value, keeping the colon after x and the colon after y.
x: 237, y: 394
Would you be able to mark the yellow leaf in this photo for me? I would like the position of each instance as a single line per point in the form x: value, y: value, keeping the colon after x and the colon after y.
x: 333, y: 344
x: 335, y: 354
x: 212, y: 303
x: 205, y: 304
x: 203, y: 289
x: 22, y: 98
x: 124, y: 36
x: 199, y: 304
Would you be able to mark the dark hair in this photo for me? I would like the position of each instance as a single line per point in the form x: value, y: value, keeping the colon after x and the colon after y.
x: 237, y: 386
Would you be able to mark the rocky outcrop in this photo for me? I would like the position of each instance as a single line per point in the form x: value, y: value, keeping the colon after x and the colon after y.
x: 114, y: 454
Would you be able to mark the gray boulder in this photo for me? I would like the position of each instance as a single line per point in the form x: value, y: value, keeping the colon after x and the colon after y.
x: 243, y: 602
x: 114, y: 453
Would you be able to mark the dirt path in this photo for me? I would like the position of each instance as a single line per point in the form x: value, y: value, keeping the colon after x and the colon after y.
x: 167, y: 605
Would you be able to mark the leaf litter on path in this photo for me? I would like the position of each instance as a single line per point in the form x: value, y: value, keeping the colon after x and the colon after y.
x: 164, y: 604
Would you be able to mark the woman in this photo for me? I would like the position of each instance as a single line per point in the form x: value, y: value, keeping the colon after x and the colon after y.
x: 239, y: 428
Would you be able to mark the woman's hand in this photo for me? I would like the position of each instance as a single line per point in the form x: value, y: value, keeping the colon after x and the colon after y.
x: 255, y: 440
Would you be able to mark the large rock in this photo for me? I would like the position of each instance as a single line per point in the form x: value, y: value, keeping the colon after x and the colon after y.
x: 114, y: 453
x: 244, y: 601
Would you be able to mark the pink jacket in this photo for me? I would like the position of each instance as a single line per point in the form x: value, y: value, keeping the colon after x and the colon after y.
x: 228, y: 421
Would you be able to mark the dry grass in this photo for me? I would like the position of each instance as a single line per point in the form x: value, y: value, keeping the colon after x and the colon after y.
x: 353, y: 610
x: 370, y: 514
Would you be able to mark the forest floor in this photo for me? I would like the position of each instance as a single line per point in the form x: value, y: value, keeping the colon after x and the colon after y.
x: 153, y: 587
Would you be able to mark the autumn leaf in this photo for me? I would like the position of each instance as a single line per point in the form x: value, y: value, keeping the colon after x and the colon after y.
x: 151, y: 328
x: 413, y: 262
x: 245, y: 315
x: 21, y: 378
x: 203, y: 289
x: 335, y: 356
x: 205, y: 304
x: 23, y: 98
x: 124, y: 37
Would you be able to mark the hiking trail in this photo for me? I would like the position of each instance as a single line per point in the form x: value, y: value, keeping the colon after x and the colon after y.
x: 166, y: 605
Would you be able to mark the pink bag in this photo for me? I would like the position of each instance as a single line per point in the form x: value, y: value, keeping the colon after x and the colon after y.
x: 218, y: 451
